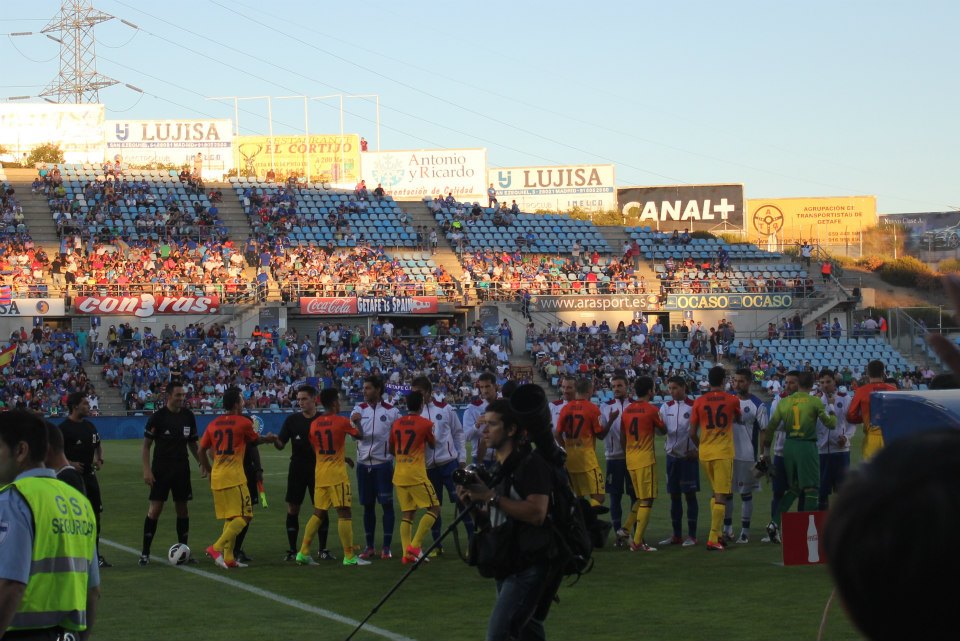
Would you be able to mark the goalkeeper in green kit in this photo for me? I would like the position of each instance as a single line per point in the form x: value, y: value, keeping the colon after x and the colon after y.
x: 797, y: 415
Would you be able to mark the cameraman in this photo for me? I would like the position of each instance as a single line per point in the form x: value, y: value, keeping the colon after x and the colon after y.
x: 515, y: 513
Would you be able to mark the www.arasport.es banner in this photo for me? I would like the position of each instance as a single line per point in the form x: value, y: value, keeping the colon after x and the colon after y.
x: 332, y: 158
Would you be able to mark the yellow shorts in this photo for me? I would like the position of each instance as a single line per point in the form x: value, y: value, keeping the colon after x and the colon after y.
x: 644, y: 481
x: 231, y: 502
x: 332, y: 496
x: 872, y: 443
x: 587, y: 483
x: 412, y: 497
x: 720, y: 473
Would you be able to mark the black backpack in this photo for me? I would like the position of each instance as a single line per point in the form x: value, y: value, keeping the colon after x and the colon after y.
x: 576, y: 527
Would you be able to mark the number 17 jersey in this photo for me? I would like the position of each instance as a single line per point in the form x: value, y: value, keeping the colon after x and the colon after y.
x: 328, y: 433
x: 409, y: 438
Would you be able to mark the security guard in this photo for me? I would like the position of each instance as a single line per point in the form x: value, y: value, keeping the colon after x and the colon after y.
x: 49, y: 579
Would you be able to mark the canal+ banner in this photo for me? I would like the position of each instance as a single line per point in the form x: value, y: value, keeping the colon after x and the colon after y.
x: 713, y: 208
x: 141, y: 143
x: 556, y: 188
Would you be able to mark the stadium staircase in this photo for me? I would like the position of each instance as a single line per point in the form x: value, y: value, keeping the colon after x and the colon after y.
x: 615, y: 235
x: 36, y: 211
x: 446, y: 257
x: 232, y: 214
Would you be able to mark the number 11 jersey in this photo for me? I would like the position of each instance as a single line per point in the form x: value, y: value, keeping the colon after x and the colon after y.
x: 327, y: 435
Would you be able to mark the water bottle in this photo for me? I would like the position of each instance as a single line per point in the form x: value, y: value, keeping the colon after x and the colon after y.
x: 813, y: 542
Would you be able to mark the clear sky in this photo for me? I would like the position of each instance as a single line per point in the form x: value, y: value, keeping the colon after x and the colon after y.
x: 790, y: 98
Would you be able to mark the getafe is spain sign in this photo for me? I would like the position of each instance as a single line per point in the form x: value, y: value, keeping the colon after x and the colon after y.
x: 368, y: 305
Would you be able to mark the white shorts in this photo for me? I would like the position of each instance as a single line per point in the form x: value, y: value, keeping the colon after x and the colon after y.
x: 743, y: 479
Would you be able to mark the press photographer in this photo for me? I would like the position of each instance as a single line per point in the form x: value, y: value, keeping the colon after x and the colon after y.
x: 516, y: 543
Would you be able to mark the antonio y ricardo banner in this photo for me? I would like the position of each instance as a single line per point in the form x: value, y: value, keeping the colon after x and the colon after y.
x: 561, y: 188
x: 77, y: 129
x: 146, y: 305
x: 368, y: 305
x: 713, y: 208
x: 825, y: 221
x: 428, y: 172
x: 332, y: 158
x: 173, y: 142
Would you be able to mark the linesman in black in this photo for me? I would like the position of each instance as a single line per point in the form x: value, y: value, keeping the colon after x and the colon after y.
x: 57, y: 462
x: 82, y: 447
x: 300, y: 474
x: 173, y: 429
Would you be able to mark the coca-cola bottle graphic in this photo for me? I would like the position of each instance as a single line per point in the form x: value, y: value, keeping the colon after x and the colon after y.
x: 813, y: 542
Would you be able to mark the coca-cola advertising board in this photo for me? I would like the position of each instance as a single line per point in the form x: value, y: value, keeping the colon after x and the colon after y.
x: 368, y: 305
x: 146, y: 305
x: 801, y: 534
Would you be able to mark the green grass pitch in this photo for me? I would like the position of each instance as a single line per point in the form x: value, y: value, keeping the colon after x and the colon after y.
x: 674, y: 594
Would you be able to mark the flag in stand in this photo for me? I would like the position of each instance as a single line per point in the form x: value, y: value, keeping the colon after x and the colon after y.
x: 6, y: 294
x: 7, y: 354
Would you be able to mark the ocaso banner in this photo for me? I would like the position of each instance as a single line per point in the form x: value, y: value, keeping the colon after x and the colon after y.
x: 145, y: 305
x: 368, y: 305
x: 677, y: 302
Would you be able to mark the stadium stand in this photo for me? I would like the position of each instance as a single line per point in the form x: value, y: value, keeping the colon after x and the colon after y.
x: 313, y: 215
x: 658, y: 246
x: 471, y: 227
x: 47, y: 367
x: 114, y: 203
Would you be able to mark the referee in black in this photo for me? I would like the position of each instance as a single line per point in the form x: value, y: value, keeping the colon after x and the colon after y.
x: 173, y: 429
x: 82, y: 447
x: 300, y: 474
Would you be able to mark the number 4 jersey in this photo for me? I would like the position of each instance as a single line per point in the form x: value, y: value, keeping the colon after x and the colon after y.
x: 714, y: 414
x: 328, y: 432
x: 227, y: 437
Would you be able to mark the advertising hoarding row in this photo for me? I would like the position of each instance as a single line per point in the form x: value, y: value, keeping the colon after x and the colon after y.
x: 427, y: 172
x: 558, y: 188
x: 651, y: 302
x: 713, y: 208
x: 172, y: 142
x: 331, y: 158
x: 824, y: 221
x: 77, y: 129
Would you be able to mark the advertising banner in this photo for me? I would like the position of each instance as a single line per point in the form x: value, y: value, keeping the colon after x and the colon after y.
x: 628, y: 302
x: 368, y: 305
x: 558, y: 188
x: 801, y: 538
x: 145, y: 305
x: 428, y: 172
x: 929, y: 231
x: 713, y: 208
x: 33, y: 307
x: 332, y: 158
x: 173, y: 142
x: 824, y: 221
x: 77, y: 129
x: 679, y: 302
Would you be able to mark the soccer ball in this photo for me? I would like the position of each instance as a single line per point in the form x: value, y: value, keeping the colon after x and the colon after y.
x: 178, y: 554
x: 257, y: 424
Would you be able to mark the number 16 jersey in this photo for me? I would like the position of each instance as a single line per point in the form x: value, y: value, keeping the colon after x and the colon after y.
x: 714, y: 414
x: 328, y: 432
